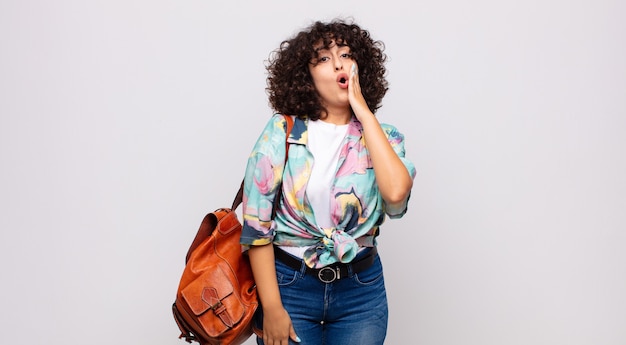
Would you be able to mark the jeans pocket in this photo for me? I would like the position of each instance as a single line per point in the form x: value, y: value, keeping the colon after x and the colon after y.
x: 285, y: 275
x: 370, y: 275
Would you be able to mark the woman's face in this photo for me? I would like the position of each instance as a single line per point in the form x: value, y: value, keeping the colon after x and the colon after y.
x: 330, y: 72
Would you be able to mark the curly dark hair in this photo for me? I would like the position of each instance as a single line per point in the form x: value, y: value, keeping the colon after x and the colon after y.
x: 290, y: 85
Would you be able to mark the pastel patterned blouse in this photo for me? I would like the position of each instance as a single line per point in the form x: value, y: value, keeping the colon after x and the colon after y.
x: 357, y: 208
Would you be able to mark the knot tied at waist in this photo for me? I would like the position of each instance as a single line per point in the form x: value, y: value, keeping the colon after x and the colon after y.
x: 334, y: 246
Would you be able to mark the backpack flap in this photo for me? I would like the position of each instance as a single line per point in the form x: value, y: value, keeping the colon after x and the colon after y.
x: 210, y: 297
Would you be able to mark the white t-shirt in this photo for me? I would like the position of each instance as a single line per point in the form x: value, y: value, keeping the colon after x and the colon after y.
x: 324, y: 142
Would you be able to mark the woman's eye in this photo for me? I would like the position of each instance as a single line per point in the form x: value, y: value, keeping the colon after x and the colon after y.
x: 346, y: 55
x: 324, y: 58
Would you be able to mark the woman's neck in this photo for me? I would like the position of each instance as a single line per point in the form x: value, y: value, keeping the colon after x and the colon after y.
x: 336, y: 118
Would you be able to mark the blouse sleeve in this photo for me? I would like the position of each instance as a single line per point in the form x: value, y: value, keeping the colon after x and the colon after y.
x: 262, y: 178
x: 396, y: 139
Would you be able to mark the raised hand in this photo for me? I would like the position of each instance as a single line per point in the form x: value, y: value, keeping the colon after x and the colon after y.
x: 355, y: 96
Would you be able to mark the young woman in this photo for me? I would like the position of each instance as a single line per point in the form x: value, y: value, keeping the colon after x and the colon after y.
x: 318, y: 273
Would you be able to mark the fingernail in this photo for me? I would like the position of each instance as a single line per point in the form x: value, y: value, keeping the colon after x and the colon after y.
x: 298, y: 339
x: 353, y: 67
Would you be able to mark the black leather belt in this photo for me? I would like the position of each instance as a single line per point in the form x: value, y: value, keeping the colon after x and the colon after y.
x: 330, y: 273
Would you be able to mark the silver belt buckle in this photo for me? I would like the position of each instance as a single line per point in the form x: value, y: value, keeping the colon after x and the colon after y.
x: 328, y: 275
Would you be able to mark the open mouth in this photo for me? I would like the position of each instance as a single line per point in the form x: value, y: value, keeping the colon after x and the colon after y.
x: 342, y: 79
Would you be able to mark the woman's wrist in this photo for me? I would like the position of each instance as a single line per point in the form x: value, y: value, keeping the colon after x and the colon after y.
x: 273, y: 305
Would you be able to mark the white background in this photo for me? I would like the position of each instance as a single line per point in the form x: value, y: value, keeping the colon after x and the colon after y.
x: 124, y: 122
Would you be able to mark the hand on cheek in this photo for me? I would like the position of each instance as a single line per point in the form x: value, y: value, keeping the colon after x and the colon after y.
x: 357, y: 101
x: 354, y: 77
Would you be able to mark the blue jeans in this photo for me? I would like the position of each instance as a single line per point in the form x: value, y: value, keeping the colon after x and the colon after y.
x: 350, y: 310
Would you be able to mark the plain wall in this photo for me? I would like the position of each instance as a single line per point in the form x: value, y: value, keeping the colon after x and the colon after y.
x: 124, y: 122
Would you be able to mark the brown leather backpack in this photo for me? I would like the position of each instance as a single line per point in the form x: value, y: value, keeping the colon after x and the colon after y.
x: 217, y: 298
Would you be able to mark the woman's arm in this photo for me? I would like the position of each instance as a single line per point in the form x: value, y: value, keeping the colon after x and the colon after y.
x: 261, y: 187
x: 392, y: 176
x: 277, y: 325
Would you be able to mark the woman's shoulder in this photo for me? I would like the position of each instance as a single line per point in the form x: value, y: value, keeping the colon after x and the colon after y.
x: 275, y: 122
x: 281, y: 119
x: 277, y: 118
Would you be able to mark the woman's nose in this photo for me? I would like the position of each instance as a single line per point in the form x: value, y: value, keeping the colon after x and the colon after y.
x: 338, y: 65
